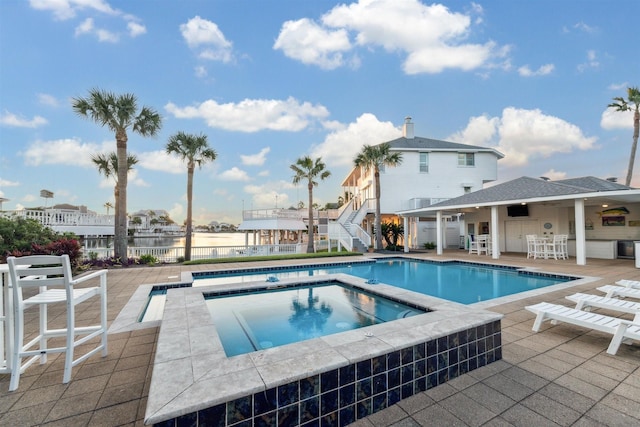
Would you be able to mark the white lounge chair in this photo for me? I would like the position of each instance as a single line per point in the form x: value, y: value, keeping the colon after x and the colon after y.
x: 635, y: 284
x: 586, y: 301
x: 622, y: 330
x: 613, y: 291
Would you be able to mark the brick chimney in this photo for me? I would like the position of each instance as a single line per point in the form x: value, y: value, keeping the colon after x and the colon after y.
x: 407, y: 128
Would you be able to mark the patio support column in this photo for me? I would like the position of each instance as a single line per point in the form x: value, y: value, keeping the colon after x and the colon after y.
x: 439, y: 232
x: 407, y: 239
x: 495, y: 233
x: 581, y: 255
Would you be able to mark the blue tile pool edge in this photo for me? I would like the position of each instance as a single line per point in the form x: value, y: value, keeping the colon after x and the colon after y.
x: 193, y: 378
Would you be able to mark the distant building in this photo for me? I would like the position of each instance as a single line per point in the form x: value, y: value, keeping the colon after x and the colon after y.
x: 153, y: 221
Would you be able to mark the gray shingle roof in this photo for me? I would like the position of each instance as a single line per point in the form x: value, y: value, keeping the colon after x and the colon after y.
x: 594, y: 184
x: 419, y: 143
x: 530, y: 188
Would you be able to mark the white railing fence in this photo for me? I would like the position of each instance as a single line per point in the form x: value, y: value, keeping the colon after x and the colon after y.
x: 172, y: 254
x: 61, y: 217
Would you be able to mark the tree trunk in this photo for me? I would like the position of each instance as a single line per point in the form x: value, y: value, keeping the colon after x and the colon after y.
x: 378, y: 220
x: 120, y: 238
x: 187, y: 244
x: 310, y: 247
x: 634, y: 146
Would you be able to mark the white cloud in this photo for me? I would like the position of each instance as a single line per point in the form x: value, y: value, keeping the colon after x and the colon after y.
x: 200, y: 71
x: 524, y: 135
x: 88, y: 27
x: 69, y: 151
x: 431, y: 36
x: 612, y: 119
x: 136, y: 29
x: 7, y: 183
x: 49, y: 100
x: 204, y: 34
x: 554, y: 175
x: 10, y: 119
x: 342, y: 145
x: 133, y: 178
x: 267, y: 196
x: 234, y: 174
x: 177, y: 211
x: 585, y: 28
x: 525, y: 71
x: 310, y: 43
x: 161, y: 161
x: 67, y: 9
x: 264, y: 173
x: 253, y: 115
x: 617, y: 87
x: 479, y: 131
x: 256, y: 159
x: 592, y: 61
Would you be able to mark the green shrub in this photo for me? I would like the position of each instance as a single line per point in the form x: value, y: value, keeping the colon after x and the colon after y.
x: 21, y: 237
x: 148, y: 259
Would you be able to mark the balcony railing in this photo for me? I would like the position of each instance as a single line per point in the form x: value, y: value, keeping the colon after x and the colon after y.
x: 173, y: 253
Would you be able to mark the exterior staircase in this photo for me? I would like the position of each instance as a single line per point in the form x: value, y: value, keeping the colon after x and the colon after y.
x: 347, y: 230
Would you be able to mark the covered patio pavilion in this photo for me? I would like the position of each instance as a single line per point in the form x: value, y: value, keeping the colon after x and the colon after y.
x: 560, y: 203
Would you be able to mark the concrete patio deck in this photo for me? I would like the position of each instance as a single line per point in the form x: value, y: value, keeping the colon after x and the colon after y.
x: 559, y: 376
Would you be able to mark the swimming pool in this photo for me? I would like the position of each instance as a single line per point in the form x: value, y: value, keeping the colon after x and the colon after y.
x: 461, y: 282
x: 269, y: 318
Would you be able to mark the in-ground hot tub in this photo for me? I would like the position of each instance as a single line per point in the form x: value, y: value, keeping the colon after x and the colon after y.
x: 335, y: 379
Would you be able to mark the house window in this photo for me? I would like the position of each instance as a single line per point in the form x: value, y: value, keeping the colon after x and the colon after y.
x: 467, y: 189
x: 424, y: 162
x: 466, y: 159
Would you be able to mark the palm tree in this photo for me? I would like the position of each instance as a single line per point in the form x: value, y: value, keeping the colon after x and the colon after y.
x: 307, y: 169
x: 633, y: 95
x: 120, y: 114
x: 375, y: 157
x: 108, y: 166
x: 196, y: 151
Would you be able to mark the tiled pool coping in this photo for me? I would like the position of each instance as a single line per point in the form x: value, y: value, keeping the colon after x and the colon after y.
x: 193, y: 379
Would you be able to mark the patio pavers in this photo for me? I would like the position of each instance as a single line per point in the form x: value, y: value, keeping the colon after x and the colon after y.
x: 559, y: 376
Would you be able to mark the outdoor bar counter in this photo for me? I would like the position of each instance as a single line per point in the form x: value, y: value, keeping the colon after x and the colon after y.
x: 596, y: 248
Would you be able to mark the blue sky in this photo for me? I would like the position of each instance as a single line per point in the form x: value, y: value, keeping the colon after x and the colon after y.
x: 270, y: 81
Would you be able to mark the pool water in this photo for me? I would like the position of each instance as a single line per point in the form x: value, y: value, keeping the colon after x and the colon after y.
x: 255, y: 321
x: 465, y: 283
x: 460, y: 282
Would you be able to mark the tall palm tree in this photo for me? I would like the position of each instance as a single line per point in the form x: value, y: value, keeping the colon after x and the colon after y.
x: 108, y: 206
x: 633, y: 97
x: 108, y: 166
x: 309, y: 170
x: 375, y: 157
x: 196, y: 151
x: 120, y: 114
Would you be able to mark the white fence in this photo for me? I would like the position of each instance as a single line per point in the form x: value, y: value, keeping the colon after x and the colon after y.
x: 172, y: 254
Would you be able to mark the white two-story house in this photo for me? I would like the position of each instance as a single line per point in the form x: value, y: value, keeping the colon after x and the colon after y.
x: 431, y: 171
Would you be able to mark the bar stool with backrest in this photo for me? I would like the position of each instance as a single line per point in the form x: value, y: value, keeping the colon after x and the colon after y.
x: 531, y: 245
x: 51, y: 276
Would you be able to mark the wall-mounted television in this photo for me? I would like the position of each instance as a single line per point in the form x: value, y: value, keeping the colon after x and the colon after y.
x: 518, y: 210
